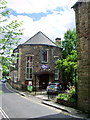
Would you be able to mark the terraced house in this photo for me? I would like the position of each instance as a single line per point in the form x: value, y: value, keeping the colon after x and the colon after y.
x: 36, y: 63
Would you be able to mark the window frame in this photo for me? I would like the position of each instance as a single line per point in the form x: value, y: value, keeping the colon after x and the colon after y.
x: 29, y: 67
x: 43, y: 57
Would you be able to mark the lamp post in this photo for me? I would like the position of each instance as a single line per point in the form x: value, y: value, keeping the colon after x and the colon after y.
x: 76, y: 82
x: 35, y: 84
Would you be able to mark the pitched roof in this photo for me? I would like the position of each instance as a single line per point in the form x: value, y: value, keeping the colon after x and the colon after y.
x: 40, y: 39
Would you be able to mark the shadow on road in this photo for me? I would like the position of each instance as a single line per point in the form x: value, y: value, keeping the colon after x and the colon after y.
x: 58, y: 117
x: 50, y: 117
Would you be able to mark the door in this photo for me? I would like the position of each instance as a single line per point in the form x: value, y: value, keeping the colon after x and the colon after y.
x: 43, y: 81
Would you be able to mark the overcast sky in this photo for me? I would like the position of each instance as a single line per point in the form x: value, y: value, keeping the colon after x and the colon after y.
x: 52, y: 17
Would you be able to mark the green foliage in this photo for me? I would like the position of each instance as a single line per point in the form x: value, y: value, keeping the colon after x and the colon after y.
x: 2, y: 4
x: 5, y: 65
x: 1, y: 92
x: 10, y: 35
x: 69, y: 42
x: 70, y: 95
x: 68, y: 65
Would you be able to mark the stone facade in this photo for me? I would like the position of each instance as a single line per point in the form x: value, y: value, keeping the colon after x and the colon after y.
x: 41, y: 76
x: 82, y: 12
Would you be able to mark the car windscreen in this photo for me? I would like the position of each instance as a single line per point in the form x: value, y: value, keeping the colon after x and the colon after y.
x: 52, y: 85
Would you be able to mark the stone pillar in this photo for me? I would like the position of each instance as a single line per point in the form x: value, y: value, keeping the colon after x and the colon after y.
x: 82, y: 12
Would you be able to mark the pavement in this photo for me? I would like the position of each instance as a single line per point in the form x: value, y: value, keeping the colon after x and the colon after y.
x: 50, y: 101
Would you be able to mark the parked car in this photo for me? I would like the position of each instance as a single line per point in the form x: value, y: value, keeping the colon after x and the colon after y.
x: 3, y: 80
x: 54, y: 88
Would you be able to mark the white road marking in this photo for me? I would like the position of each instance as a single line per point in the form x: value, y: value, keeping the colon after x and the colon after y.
x: 4, y: 114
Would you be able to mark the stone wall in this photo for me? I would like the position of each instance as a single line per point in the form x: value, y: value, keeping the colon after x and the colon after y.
x: 82, y: 11
x: 35, y: 52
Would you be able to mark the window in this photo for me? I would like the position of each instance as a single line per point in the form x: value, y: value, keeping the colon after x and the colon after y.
x: 44, y: 56
x: 56, y: 74
x: 29, y: 67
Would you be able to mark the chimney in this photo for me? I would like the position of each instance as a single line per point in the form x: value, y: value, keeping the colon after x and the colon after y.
x: 58, y: 41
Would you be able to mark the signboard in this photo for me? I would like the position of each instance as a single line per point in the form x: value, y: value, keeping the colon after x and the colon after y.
x: 44, y: 66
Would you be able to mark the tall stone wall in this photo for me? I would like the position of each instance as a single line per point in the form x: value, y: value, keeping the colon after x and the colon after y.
x: 82, y: 12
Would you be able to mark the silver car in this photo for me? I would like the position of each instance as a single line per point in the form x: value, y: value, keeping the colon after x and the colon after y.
x: 54, y: 88
x: 3, y: 80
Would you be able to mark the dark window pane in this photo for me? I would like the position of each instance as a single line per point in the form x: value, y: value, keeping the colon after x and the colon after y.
x: 27, y: 70
x: 27, y: 64
x: 27, y: 58
x: 30, y: 76
x: 44, y: 56
x: 30, y: 70
x: 27, y: 76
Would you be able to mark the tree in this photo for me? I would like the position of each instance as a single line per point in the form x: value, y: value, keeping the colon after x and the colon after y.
x: 69, y: 42
x: 9, y: 37
x: 68, y: 64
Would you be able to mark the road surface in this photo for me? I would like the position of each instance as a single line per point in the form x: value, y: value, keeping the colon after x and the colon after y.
x: 15, y: 106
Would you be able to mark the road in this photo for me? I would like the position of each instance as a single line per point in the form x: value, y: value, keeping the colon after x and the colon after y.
x: 16, y: 106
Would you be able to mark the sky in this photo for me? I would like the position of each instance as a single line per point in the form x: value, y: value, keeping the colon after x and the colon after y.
x: 52, y: 17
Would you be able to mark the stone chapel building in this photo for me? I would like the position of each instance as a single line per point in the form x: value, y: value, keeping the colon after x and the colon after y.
x: 36, y: 63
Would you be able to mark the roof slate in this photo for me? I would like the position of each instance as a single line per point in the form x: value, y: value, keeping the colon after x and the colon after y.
x: 40, y: 38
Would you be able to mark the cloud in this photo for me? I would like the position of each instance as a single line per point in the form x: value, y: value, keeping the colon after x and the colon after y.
x: 53, y: 25
x: 36, y: 6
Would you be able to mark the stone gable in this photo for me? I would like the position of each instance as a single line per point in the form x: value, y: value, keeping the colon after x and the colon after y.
x: 42, y: 72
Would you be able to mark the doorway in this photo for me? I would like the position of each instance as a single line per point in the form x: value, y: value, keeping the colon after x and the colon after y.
x: 43, y: 81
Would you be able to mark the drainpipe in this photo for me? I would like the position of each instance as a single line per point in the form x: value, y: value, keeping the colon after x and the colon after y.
x: 35, y: 84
